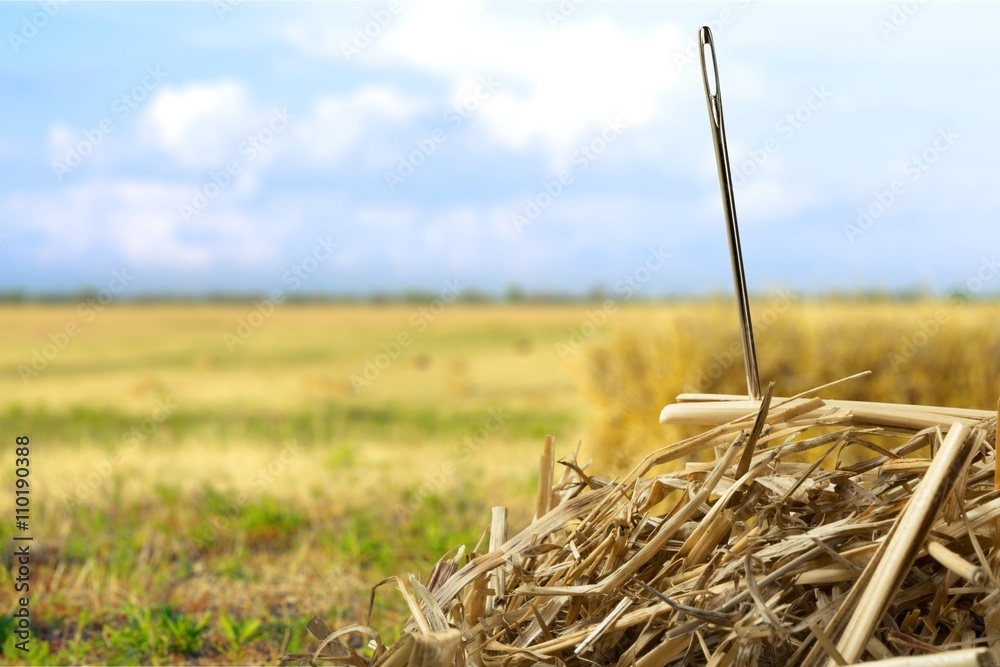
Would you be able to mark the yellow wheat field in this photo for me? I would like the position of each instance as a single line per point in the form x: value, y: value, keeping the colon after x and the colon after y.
x: 928, y: 352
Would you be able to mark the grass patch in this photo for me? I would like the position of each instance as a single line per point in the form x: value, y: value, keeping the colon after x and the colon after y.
x: 155, y: 635
x: 322, y: 424
x: 258, y: 523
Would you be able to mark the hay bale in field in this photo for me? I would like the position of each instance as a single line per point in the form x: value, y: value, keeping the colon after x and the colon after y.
x: 752, y: 558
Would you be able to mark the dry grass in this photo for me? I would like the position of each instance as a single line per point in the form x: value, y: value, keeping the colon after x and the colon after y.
x: 753, y: 558
x: 634, y: 372
x: 301, y: 355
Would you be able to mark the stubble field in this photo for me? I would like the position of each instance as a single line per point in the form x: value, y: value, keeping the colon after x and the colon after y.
x: 199, y: 489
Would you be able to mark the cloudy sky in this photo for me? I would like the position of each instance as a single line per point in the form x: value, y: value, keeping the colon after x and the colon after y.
x: 559, y: 146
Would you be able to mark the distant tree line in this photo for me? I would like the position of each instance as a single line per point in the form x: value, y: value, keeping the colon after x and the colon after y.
x: 512, y: 294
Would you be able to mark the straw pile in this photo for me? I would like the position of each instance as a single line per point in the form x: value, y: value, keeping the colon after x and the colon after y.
x: 752, y: 559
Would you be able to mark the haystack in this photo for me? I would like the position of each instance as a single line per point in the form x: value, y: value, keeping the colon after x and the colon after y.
x: 781, y: 551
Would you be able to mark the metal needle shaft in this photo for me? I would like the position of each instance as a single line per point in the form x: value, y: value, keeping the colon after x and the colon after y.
x: 729, y: 208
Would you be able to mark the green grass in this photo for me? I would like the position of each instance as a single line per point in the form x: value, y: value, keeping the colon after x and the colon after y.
x: 238, y: 633
x: 329, y: 422
x: 154, y: 635
x: 165, y: 595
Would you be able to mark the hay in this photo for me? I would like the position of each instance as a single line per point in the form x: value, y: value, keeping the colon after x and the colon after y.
x: 754, y: 558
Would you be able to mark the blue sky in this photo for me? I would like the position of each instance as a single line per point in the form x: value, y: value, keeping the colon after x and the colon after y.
x: 217, y: 146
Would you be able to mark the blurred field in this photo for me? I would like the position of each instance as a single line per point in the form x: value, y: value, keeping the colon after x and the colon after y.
x: 207, y: 516
x: 195, y: 503
x: 929, y: 353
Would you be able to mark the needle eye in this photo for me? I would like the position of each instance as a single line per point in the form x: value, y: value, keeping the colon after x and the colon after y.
x: 708, y: 56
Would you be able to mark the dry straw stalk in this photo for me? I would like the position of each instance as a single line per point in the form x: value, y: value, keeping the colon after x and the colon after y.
x: 781, y: 551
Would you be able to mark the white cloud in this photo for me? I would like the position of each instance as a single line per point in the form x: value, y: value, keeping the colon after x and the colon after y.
x: 197, y: 124
x: 556, y: 86
x: 202, y: 125
x: 336, y: 124
x: 155, y: 241
x: 137, y: 221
